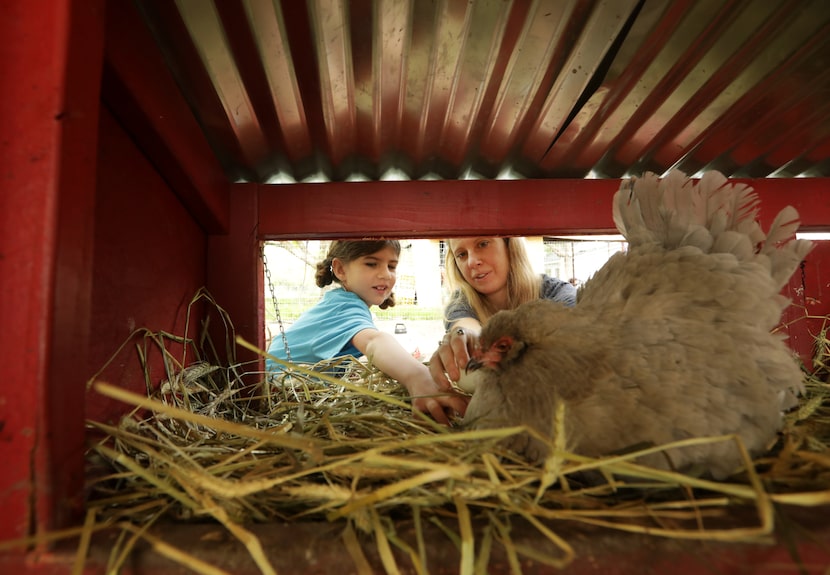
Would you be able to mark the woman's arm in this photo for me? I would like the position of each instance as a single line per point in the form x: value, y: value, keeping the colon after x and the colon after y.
x: 555, y: 289
x: 384, y: 351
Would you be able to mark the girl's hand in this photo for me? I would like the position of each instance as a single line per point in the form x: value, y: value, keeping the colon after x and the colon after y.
x: 442, y: 406
x: 429, y: 397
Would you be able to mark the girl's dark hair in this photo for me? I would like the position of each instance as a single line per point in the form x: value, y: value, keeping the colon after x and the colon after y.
x: 348, y: 250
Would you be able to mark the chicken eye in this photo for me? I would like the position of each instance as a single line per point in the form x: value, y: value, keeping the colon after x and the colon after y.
x: 503, y: 345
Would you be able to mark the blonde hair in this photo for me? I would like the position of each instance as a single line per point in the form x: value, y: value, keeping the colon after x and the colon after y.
x: 523, y: 284
x: 348, y: 250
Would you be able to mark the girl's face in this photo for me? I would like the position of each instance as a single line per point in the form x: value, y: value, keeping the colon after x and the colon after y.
x: 483, y: 263
x: 371, y: 277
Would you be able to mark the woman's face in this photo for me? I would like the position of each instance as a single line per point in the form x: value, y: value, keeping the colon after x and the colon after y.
x: 483, y: 263
x: 371, y: 277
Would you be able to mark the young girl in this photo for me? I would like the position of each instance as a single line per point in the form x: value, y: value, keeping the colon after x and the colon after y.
x: 341, y: 323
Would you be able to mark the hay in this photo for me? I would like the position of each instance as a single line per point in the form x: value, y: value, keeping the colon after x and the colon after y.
x: 306, y: 446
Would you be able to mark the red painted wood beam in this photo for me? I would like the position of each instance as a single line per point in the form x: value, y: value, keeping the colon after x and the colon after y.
x: 51, y: 66
x: 141, y: 92
x: 234, y: 276
x: 416, y: 209
x: 435, y: 209
x: 810, y: 196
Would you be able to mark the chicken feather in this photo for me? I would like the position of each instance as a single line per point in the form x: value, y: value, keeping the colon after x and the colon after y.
x: 669, y: 340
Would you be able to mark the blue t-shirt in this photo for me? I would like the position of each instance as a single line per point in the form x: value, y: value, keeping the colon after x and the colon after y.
x: 552, y: 288
x: 324, y: 331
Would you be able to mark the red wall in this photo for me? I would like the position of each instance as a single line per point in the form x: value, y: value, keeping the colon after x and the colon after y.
x: 50, y: 66
x: 809, y: 292
x: 149, y: 261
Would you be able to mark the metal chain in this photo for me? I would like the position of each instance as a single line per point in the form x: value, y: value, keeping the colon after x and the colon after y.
x: 274, y: 300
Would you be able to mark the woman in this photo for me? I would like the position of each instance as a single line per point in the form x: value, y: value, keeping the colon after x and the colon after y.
x: 487, y: 275
x: 341, y: 323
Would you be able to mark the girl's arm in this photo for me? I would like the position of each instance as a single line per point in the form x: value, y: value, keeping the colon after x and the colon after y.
x: 384, y: 351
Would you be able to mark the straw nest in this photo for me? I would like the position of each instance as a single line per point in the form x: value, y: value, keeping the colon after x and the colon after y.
x: 346, y: 448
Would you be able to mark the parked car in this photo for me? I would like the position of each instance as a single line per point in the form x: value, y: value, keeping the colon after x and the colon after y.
x: 406, y: 340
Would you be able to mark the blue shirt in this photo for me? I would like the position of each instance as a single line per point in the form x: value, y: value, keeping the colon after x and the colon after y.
x: 325, y: 331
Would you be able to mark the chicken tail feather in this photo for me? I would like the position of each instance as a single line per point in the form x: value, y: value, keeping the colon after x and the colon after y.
x: 715, y: 216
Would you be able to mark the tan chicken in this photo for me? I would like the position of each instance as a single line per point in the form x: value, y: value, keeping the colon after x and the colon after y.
x: 669, y: 340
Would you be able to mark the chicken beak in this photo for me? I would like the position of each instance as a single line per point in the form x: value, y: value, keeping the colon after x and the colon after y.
x: 474, y: 364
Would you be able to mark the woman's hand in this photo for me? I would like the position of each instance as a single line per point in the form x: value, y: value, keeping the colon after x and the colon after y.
x: 450, y: 359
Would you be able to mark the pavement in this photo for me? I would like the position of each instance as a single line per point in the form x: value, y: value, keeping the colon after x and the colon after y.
x: 421, y: 335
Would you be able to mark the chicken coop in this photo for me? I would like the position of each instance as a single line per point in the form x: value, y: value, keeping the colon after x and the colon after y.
x: 150, y: 147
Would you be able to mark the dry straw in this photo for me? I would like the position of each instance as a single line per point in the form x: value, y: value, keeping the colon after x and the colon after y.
x: 339, y: 443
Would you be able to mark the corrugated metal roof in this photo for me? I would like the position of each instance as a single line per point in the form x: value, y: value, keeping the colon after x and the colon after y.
x: 370, y: 89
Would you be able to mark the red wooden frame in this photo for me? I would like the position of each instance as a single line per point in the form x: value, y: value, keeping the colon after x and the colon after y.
x: 437, y: 209
x: 48, y: 121
x: 142, y: 94
x: 54, y: 52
